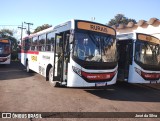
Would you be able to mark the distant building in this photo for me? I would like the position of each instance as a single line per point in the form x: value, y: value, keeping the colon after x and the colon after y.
x: 151, y: 27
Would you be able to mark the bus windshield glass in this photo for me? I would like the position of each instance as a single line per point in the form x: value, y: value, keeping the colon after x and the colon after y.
x: 4, y: 48
x: 147, y: 53
x: 94, y: 47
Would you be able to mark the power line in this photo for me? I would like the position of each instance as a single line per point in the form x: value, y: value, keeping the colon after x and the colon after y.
x: 9, y: 25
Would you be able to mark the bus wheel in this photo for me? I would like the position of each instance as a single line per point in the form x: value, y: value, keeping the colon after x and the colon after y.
x: 27, y: 67
x: 51, y: 81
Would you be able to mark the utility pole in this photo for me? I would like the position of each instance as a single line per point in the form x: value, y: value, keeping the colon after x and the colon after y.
x: 21, y: 31
x: 28, y: 32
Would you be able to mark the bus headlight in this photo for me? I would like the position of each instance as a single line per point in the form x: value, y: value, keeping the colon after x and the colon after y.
x: 148, y: 76
x: 76, y: 70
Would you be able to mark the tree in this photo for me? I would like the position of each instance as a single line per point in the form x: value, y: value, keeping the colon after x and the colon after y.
x: 40, y: 28
x: 6, y: 32
x: 120, y: 19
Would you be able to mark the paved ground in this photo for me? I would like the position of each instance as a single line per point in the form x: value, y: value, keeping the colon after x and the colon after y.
x: 29, y: 92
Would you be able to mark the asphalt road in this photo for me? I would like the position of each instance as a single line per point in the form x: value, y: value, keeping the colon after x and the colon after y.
x: 29, y: 92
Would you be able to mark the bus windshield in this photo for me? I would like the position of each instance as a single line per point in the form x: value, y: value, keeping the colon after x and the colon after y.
x: 94, y: 47
x: 4, y: 48
x: 147, y: 53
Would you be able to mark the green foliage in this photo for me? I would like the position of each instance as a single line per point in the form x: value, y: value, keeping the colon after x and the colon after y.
x: 120, y: 19
x: 6, y: 32
x: 40, y: 28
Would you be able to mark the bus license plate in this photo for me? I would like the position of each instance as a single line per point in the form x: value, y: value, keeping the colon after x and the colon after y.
x: 100, y: 84
x: 153, y: 82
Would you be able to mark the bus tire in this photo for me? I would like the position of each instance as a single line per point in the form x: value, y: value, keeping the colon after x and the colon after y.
x: 27, y: 67
x: 51, y: 80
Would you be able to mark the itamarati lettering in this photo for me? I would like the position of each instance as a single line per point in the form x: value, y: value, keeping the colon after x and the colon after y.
x: 46, y: 57
x: 98, y: 28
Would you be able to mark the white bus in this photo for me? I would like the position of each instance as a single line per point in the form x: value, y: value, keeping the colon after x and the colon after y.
x: 77, y: 53
x: 5, y: 51
x: 139, y: 58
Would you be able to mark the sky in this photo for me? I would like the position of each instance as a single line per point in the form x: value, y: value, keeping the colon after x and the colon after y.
x: 54, y: 12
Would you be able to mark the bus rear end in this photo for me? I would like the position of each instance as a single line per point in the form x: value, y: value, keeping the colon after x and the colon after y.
x: 5, y: 51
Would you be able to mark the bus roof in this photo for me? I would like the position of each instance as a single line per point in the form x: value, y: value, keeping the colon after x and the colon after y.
x: 70, y: 25
x: 139, y: 36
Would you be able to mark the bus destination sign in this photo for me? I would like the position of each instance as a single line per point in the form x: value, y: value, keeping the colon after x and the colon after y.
x: 148, y: 38
x: 96, y: 28
x: 4, y: 41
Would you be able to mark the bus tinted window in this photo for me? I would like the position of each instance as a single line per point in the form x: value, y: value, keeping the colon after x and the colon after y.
x: 35, y: 40
x: 34, y: 43
x: 31, y: 41
x: 41, y: 42
x: 27, y: 44
x: 42, y: 39
x: 50, y: 42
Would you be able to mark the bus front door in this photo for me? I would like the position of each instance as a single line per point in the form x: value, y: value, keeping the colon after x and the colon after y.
x: 125, y: 50
x: 58, y: 53
x: 61, y: 58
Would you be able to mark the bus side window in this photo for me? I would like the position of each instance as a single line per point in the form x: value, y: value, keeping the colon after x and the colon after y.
x: 31, y: 40
x: 34, y: 43
x: 42, y: 42
x: 50, y: 42
x: 32, y: 47
x: 26, y: 44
